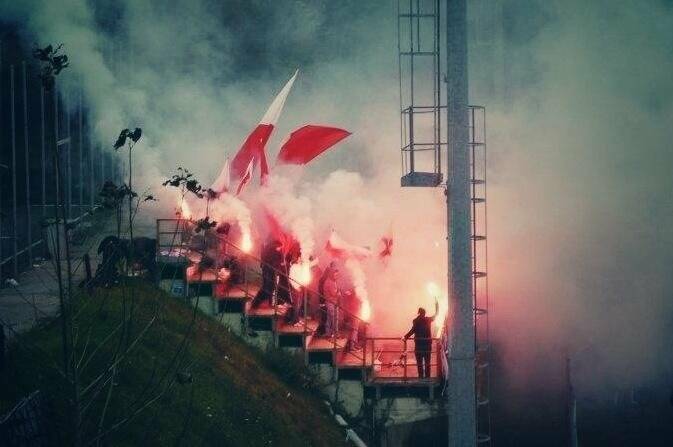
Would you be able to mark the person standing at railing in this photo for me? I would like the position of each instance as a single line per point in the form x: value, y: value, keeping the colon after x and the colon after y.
x: 284, y: 291
x: 421, y: 329
x: 332, y: 297
x: 271, y: 263
x: 351, y: 323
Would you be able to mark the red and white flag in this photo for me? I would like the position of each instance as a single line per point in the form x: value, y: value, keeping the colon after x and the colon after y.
x: 247, y: 176
x: 222, y: 182
x: 254, y: 146
x: 307, y: 142
x: 338, y: 248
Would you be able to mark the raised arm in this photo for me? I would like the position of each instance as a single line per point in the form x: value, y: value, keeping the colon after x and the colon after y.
x: 436, y: 310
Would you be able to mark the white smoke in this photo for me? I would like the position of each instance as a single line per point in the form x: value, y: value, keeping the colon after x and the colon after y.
x: 579, y: 192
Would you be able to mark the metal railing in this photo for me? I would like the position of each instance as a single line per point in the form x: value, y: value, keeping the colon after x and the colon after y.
x: 175, y: 239
x: 31, y: 123
x: 394, y: 359
x: 384, y: 358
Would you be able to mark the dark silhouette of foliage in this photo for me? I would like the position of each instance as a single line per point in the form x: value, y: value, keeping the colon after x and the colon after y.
x: 52, y: 63
x: 204, y: 224
x: 185, y: 179
x: 127, y: 133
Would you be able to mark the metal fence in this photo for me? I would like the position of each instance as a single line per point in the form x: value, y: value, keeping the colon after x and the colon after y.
x: 33, y: 123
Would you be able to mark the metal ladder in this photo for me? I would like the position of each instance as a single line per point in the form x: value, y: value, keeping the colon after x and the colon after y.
x: 478, y: 220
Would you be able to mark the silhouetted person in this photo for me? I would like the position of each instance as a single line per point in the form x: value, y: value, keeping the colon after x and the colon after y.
x: 284, y: 292
x: 422, y: 332
x: 271, y: 264
x: 326, y: 309
x: 332, y: 295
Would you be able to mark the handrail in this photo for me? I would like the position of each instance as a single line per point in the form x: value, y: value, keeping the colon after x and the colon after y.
x: 390, y: 359
x: 384, y: 362
x: 340, y: 311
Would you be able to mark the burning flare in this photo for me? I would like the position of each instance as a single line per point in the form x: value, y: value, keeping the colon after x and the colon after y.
x: 435, y: 292
x: 300, y: 274
x: 366, y: 311
x: 246, y: 242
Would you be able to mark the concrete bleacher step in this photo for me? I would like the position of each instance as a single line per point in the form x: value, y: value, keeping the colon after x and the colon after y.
x: 321, y: 343
x: 306, y: 327
x: 356, y: 359
x: 266, y: 311
x: 206, y: 276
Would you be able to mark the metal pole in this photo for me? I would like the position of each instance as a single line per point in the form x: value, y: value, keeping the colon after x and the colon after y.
x: 461, y: 386
x: 43, y: 154
x: 66, y: 109
x: 1, y: 170
x: 92, y: 179
x: 29, y: 227
x: 102, y: 164
x: 58, y: 155
x: 80, y: 177
x: 14, y: 212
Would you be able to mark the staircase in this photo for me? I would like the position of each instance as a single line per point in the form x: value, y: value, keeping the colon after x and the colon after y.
x: 380, y: 377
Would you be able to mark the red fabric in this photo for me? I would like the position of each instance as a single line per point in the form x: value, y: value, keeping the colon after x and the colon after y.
x: 252, y: 150
x: 308, y: 142
x: 335, y: 252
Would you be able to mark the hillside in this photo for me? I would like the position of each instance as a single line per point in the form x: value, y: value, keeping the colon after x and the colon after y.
x: 208, y: 389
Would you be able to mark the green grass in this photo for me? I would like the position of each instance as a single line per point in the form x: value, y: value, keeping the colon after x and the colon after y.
x: 234, y: 395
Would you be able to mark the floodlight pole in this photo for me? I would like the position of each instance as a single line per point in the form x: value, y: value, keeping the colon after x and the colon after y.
x: 461, y: 384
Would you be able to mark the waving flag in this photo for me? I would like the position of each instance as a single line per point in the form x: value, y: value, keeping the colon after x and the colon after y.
x: 339, y: 248
x: 246, y: 177
x: 253, y: 146
x: 306, y: 143
x: 222, y: 182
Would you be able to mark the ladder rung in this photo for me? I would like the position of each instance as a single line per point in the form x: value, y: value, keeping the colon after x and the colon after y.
x: 478, y: 237
x: 477, y: 274
x: 476, y: 181
x: 418, y: 53
x: 482, y: 402
x: 478, y: 200
x: 417, y: 15
x: 480, y: 311
x: 483, y: 438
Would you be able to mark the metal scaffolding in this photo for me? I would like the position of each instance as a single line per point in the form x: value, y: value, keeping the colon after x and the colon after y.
x: 27, y: 182
x: 419, y: 36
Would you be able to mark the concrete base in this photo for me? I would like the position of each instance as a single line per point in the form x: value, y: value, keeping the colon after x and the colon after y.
x: 426, y: 432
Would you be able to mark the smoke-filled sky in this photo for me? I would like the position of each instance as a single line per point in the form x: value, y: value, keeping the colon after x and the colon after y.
x: 580, y: 123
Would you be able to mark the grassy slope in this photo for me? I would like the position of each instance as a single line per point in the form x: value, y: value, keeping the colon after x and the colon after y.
x: 235, y: 397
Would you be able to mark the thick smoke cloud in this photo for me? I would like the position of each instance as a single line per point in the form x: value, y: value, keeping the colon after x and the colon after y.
x: 580, y: 200
x: 579, y: 128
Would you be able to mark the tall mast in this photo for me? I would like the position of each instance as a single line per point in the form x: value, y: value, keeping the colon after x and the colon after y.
x: 461, y: 384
